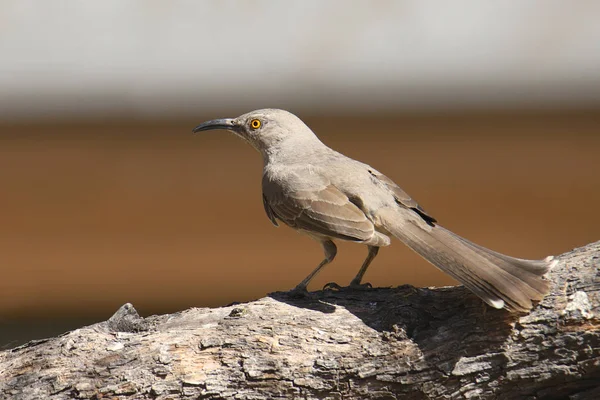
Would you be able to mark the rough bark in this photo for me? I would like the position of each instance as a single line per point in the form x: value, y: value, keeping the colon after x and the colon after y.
x: 391, y: 343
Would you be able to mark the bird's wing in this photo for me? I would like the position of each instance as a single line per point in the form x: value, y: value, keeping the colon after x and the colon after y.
x: 402, y: 197
x: 269, y: 211
x: 325, y: 210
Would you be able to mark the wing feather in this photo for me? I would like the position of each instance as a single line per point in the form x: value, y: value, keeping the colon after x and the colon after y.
x: 325, y: 210
x: 402, y: 197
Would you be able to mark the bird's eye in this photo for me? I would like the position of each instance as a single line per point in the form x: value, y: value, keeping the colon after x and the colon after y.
x: 255, y: 124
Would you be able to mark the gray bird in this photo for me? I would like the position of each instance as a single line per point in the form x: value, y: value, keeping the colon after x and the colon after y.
x: 328, y: 196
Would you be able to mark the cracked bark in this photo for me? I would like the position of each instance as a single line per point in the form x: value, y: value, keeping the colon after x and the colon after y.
x: 401, y: 342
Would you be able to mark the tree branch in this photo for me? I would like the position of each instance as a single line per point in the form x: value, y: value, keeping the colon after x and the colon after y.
x: 403, y: 342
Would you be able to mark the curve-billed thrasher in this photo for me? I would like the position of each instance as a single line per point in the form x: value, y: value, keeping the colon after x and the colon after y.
x: 320, y: 192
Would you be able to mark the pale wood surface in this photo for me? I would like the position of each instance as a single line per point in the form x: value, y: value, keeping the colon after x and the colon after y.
x: 379, y: 344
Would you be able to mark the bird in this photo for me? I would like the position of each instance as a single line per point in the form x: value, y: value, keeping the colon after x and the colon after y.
x: 328, y: 196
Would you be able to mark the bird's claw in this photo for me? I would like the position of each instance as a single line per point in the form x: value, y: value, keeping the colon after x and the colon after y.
x: 352, y: 286
x: 332, y: 286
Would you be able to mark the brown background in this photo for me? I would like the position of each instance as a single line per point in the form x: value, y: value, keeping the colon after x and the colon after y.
x: 96, y: 214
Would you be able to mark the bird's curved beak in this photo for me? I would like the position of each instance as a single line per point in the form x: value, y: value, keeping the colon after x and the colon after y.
x: 223, y: 123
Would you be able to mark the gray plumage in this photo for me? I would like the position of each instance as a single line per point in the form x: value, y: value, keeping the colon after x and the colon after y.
x: 320, y: 192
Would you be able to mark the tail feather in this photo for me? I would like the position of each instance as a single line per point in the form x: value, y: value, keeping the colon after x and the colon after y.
x: 499, y: 280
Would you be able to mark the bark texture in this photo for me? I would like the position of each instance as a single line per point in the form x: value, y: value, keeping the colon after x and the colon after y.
x: 403, y: 342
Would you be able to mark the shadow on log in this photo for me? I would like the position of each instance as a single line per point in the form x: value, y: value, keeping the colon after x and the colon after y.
x: 403, y: 342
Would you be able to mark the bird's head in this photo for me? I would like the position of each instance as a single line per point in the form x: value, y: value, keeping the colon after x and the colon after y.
x: 266, y: 130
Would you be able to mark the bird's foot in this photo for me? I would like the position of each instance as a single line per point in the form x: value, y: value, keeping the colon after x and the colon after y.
x: 299, y: 292
x: 352, y: 286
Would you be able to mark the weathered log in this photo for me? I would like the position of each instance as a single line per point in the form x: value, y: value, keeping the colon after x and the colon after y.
x: 403, y: 342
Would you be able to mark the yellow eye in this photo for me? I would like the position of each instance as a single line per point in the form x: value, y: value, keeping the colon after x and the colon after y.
x: 255, y: 124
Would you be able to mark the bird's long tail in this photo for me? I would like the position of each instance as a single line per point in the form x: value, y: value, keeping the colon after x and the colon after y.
x: 499, y: 280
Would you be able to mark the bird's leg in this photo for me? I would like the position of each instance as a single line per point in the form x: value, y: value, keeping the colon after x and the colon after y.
x: 356, y: 282
x: 361, y: 272
x: 330, y: 251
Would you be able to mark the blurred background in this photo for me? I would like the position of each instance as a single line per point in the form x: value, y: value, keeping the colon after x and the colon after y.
x: 488, y: 114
